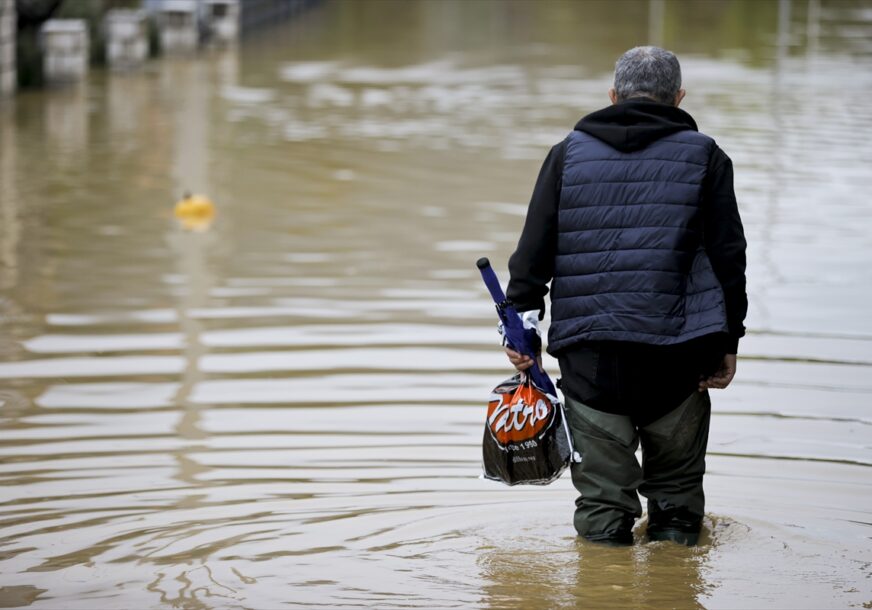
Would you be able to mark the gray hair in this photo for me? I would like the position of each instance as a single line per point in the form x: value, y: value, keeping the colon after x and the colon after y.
x: 650, y: 72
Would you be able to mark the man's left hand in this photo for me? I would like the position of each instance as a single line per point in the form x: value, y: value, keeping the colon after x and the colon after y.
x: 520, y: 361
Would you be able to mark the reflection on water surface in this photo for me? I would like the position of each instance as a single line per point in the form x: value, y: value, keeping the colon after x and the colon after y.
x: 286, y: 410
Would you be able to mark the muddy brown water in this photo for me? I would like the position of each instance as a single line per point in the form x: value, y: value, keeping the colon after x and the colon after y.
x: 286, y: 409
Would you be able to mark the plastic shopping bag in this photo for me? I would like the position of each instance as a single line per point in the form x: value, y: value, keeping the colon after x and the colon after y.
x: 526, y: 437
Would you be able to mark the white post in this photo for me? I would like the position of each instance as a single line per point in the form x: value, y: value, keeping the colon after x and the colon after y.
x: 126, y: 39
x: 8, y: 75
x: 177, y: 23
x: 221, y: 18
x: 656, y: 19
x: 65, y: 50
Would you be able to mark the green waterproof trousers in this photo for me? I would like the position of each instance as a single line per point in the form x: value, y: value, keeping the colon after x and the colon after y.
x: 670, y: 476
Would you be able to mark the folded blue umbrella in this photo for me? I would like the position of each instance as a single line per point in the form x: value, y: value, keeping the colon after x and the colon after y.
x: 526, y: 439
x: 523, y: 340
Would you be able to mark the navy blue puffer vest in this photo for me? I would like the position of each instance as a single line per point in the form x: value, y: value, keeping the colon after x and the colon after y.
x: 630, y: 262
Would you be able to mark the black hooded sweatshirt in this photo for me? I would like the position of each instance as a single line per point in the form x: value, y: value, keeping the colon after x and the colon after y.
x: 640, y: 380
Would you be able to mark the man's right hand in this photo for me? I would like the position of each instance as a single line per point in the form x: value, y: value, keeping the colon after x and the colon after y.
x: 722, y: 377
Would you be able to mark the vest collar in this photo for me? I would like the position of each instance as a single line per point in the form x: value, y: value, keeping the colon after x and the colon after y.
x: 635, y: 123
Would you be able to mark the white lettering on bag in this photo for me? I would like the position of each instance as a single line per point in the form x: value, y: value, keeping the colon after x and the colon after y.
x: 517, y: 415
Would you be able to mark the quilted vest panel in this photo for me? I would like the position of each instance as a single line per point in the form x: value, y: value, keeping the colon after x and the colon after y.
x: 630, y: 261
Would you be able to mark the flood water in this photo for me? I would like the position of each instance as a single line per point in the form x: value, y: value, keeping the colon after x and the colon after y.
x: 285, y: 410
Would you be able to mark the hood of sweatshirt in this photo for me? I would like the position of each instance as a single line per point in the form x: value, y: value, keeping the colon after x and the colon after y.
x: 634, y: 124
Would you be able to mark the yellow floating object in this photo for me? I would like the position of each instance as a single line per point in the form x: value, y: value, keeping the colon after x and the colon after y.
x: 195, y: 211
x: 194, y: 206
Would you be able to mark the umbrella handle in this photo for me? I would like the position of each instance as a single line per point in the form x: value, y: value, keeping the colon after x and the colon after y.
x: 512, y: 323
x: 491, y: 281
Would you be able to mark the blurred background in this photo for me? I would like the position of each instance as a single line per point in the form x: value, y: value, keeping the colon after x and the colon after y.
x: 278, y: 398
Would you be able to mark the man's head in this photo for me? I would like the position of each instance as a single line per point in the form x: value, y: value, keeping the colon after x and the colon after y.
x: 649, y: 72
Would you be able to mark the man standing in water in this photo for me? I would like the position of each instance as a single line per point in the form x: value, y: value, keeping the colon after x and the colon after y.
x: 634, y: 222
